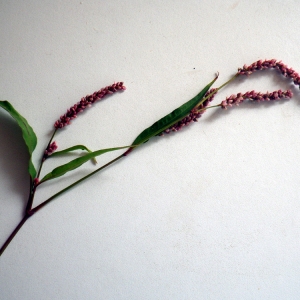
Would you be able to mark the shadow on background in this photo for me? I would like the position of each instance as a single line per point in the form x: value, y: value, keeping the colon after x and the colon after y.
x: 14, y: 158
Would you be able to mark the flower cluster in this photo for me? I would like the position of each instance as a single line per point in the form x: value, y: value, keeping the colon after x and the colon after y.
x: 194, y: 115
x: 268, y: 64
x: 255, y: 96
x: 87, y: 102
x: 50, y: 149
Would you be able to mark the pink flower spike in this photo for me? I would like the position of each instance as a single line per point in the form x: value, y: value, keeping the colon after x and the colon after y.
x: 254, y: 96
x: 85, y: 102
x: 269, y: 64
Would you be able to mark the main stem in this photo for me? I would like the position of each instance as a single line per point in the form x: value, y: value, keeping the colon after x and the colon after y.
x: 30, y: 212
x: 14, y: 233
x: 34, y: 210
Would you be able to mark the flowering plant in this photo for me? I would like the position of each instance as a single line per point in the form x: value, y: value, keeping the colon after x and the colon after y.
x: 187, y: 113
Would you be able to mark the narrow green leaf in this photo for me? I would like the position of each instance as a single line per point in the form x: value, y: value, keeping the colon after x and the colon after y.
x: 74, y: 148
x: 27, y: 132
x: 172, y: 118
x: 75, y: 163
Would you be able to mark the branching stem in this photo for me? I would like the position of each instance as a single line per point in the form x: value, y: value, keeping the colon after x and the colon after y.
x: 30, y: 211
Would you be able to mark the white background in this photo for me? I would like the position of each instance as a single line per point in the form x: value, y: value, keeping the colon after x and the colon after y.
x: 211, y: 212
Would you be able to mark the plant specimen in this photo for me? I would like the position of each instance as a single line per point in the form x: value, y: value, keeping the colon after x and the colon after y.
x: 184, y: 115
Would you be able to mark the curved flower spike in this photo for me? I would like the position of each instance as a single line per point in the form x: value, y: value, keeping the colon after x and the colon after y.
x: 255, y: 96
x: 85, y: 102
x: 268, y: 64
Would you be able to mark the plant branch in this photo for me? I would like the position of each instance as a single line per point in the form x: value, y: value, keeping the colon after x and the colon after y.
x: 34, y: 210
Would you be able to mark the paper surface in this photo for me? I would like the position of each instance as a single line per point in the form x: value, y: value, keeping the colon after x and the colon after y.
x: 210, y: 212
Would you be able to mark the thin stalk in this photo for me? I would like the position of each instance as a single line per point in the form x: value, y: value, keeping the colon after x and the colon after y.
x: 217, y: 89
x: 14, y: 233
x: 42, y: 162
x: 232, y: 78
x: 207, y: 107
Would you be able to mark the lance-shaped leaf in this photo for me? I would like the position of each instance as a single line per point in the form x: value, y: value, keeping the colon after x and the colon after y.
x: 74, y: 148
x: 28, y: 134
x: 172, y: 118
x: 75, y: 163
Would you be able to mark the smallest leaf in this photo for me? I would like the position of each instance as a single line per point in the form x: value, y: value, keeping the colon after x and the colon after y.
x: 71, y: 149
x: 77, y: 162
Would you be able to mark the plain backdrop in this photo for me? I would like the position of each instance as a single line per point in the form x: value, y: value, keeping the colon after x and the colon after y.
x: 210, y: 212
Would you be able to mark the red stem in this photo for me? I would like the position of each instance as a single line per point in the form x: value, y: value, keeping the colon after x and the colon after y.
x: 14, y: 233
x: 31, y: 211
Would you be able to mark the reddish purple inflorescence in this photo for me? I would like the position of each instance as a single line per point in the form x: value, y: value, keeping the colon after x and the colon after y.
x: 193, y: 116
x: 50, y: 149
x: 255, y: 96
x: 268, y: 64
x: 87, y: 102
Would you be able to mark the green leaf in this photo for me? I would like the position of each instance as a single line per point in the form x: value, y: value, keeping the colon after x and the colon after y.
x: 74, y: 148
x: 172, y: 118
x: 75, y: 163
x: 27, y: 132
